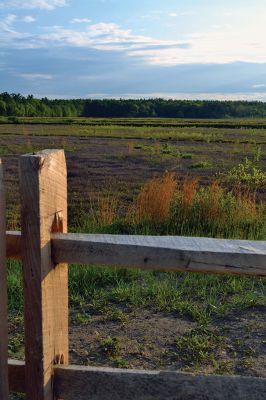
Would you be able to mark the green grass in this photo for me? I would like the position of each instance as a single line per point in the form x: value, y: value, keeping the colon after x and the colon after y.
x: 111, y: 347
x: 103, y: 290
x: 231, y: 122
x: 198, y: 346
x: 114, y: 293
x: 208, y: 131
x: 204, y: 164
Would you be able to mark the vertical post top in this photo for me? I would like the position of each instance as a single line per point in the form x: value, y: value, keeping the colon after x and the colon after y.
x: 43, y: 153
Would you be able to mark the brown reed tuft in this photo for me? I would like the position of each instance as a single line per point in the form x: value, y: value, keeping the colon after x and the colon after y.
x: 186, y: 195
x: 130, y: 147
x: 247, y: 207
x: 154, y: 201
x: 211, y: 202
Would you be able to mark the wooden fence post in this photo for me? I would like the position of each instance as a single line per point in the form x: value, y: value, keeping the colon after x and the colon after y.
x: 3, y: 294
x: 43, y: 188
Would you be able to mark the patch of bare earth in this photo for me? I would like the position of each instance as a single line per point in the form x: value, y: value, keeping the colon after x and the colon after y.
x: 148, y: 340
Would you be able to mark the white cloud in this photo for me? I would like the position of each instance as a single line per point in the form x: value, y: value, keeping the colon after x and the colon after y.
x: 237, y: 43
x: 28, y: 19
x: 240, y: 43
x: 153, y: 15
x: 178, y: 14
x: 33, y: 77
x: 259, y: 86
x: 41, y: 4
x: 172, y: 95
x: 110, y: 37
x: 10, y: 37
x: 80, y: 20
x: 10, y: 19
x: 255, y: 96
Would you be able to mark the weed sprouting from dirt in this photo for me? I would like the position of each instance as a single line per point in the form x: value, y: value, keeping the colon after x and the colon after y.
x: 198, y: 346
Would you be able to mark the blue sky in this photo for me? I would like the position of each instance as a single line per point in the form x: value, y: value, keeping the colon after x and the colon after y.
x: 134, y: 48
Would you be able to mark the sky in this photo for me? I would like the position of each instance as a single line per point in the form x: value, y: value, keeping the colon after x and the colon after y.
x: 184, y: 49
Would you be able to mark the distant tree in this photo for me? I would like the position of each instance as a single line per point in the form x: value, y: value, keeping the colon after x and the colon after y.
x: 15, y: 104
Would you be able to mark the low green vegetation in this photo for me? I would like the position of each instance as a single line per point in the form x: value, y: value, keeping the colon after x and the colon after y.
x: 247, y: 174
x: 204, y: 164
x: 198, y: 346
x: 207, y: 131
x: 111, y: 347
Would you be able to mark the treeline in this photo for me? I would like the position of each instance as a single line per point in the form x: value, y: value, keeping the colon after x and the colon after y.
x: 20, y: 106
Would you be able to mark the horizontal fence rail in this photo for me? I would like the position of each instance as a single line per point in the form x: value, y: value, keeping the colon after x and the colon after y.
x: 170, y: 253
x: 83, y: 383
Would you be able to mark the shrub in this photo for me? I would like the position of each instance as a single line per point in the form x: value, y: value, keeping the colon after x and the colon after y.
x: 248, y: 175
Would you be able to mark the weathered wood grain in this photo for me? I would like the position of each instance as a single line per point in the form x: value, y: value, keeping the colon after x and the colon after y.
x: 3, y: 293
x: 163, y: 252
x: 83, y: 383
x: 155, y: 252
x: 43, y: 189
x: 16, y: 376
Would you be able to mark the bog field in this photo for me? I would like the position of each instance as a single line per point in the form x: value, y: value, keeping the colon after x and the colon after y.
x: 158, y: 177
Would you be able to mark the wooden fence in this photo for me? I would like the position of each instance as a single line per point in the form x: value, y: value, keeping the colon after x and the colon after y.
x: 45, y: 248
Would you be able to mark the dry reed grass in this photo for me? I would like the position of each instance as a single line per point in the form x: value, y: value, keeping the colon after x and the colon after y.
x: 194, y: 209
x: 213, y: 210
x: 154, y: 201
x: 247, y: 207
x: 189, y: 210
x: 130, y: 147
x: 104, y: 211
x: 186, y: 195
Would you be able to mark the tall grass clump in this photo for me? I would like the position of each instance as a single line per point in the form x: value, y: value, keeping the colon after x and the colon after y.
x: 153, y: 203
x: 216, y: 212
x: 106, y: 211
x: 190, y: 209
x: 164, y: 207
x: 102, y: 214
